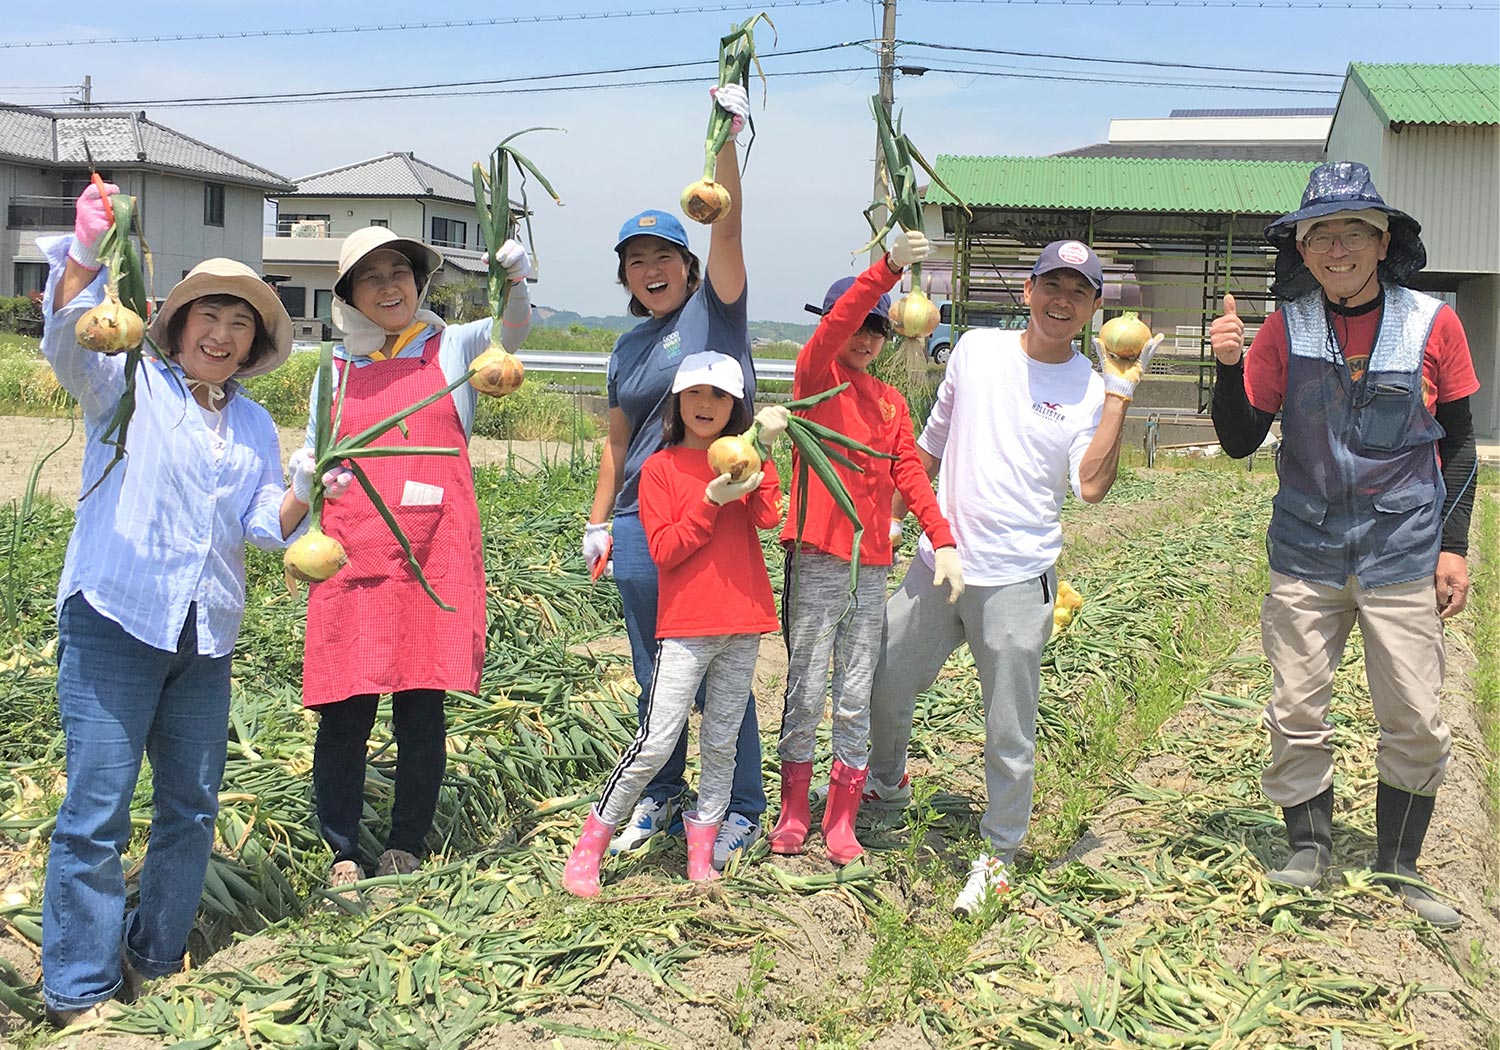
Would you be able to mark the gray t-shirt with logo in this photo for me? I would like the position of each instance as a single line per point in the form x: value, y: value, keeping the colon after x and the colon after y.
x: 645, y: 360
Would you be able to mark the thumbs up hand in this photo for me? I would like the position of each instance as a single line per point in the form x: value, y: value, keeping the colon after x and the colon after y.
x: 1227, y: 335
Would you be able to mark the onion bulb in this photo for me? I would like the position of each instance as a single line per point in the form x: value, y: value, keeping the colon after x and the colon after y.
x: 111, y: 327
x: 705, y: 201
x: 914, y: 316
x: 315, y: 557
x: 497, y: 372
x: 734, y: 455
x: 1125, y: 336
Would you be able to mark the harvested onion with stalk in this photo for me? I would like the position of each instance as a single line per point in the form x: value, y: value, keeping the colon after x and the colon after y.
x: 914, y: 316
x: 118, y: 324
x: 497, y: 371
x: 740, y: 455
x: 317, y: 556
x: 1125, y: 336
x: 706, y: 201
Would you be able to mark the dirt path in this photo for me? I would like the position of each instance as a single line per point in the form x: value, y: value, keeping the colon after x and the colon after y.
x: 24, y: 438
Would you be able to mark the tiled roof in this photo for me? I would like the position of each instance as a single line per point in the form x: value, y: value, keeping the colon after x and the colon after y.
x: 1204, y: 187
x: 389, y: 175
x: 1408, y: 93
x: 120, y: 140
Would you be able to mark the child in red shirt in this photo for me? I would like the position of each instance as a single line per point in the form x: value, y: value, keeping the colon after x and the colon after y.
x: 714, y: 603
x: 819, y: 621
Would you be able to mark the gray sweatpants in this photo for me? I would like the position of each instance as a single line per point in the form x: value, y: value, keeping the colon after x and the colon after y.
x: 817, y: 631
x: 729, y: 662
x: 1006, y: 628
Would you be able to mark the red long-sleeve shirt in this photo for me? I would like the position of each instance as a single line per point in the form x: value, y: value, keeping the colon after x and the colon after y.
x: 711, y: 572
x: 871, y: 412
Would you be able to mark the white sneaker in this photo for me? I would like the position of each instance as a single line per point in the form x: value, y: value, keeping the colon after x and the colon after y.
x: 649, y: 818
x: 989, y: 879
x: 877, y: 796
x: 735, y: 833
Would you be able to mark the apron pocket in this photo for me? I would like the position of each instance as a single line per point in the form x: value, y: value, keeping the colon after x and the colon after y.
x: 376, y: 556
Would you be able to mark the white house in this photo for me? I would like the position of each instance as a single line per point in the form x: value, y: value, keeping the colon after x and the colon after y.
x: 197, y: 201
x: 415, y: 199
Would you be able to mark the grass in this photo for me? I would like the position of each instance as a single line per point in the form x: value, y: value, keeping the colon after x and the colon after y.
x: 1483, y: 618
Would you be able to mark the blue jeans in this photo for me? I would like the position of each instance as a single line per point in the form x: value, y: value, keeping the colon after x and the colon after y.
x: 635, y: 575
x: 120, y: 698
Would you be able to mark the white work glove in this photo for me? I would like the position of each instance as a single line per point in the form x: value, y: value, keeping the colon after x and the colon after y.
x: 734, y: 100
x: 772, y: 420
x: 946, y: 569
x: 336, y: 479
x: 597, y: 544
x: 90, y: 222
x: 909, y: 246
x: 1120, y: 375
x: 721, y: 490
x: 512, y: 255
x: 896, y: 530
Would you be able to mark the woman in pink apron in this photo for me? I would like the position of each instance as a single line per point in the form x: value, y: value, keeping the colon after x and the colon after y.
x: 372, y: 629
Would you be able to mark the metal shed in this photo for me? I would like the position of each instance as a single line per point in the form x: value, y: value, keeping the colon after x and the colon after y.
x: 1174, y: 235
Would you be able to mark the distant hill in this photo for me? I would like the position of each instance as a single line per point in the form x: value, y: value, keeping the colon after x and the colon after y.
x: 547, y: 317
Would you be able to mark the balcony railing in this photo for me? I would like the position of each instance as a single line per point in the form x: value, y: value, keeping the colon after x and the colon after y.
x: 40, y: 213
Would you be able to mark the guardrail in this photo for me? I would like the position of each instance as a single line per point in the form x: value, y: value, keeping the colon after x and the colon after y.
x: 598, y: 364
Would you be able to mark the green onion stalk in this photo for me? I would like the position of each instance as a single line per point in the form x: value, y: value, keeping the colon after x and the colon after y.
x: 118, y: 324
x: 818, y: 449
x: 316, y: 556
x: 497, y: 371
x: 706, y: 201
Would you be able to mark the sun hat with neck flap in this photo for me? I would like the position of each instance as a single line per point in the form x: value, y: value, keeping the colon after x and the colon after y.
x: 361, y: 335
x: 228, y: 277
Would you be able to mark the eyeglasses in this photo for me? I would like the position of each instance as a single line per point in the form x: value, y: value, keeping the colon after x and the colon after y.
x: 1352, y: 240
x: 877, y: 325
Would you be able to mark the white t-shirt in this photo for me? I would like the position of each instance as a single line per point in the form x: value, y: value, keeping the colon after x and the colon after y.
x: 1011, y: 433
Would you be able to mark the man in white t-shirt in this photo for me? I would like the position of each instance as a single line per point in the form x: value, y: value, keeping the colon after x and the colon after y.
x: 1019, y: 416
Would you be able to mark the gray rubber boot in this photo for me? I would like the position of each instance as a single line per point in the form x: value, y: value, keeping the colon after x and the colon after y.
x: 1309, y: 831
x: 1401, y: 819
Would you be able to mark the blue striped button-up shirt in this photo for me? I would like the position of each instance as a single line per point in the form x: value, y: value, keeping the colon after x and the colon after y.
x: 168, y: 527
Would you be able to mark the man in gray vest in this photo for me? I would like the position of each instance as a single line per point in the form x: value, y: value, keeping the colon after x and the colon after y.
x: 1371, y: 521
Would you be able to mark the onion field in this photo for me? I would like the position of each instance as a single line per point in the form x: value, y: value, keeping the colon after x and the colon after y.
x: 1142, y: 917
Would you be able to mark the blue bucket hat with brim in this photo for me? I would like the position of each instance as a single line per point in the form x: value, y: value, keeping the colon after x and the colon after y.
x: 836, y: 290
x: 1332, y: 188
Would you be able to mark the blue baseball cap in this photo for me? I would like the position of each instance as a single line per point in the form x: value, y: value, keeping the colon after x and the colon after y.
x: 836, y: 290
x: 1071, y: 255
x: 653, y: 223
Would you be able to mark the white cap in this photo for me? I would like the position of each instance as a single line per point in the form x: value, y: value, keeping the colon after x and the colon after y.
x: 710, y: 368
x: 1370, y: 216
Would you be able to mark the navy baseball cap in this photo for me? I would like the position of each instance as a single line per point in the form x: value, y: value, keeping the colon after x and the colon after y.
x: 1071, y: 255
x: 836, y: 290
x: 653, y: 223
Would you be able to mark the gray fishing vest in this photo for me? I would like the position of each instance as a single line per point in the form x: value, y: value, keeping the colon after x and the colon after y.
x: 1361, y: 492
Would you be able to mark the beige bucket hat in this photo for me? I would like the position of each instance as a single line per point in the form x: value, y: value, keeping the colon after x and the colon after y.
x: 425, y: 260
x: 227, y: 277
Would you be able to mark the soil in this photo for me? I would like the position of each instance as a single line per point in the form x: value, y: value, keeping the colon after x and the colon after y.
x: 24, y: 438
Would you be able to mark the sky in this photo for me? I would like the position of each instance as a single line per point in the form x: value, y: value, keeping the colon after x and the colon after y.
x: 629, y: 146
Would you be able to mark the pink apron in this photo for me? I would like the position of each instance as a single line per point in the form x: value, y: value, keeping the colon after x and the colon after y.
x: 372, y: 628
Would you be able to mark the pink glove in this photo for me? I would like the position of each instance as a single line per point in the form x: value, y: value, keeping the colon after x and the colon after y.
x: 91, y: 218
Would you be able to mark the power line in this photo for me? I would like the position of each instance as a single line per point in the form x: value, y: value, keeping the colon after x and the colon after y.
x: 1133, y: 82
x: 469, y: 23
x: 1267, y: 5
x: 1155, y: 63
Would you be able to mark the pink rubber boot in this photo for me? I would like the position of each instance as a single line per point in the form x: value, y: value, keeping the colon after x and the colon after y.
x: 790, y: 831
x: 581, y: 874
x: 845, y: 791
x: 700, y: 845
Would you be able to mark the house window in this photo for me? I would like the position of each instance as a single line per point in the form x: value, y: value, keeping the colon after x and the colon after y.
x: 449, y: 233
x: 383, y: 223
x: 323, y: 305
x: 294, y: 299
x: 30, y: 277
x: 213, y: 204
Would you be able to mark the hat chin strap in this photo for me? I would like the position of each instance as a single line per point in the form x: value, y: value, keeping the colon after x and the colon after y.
x: 1344, y: 299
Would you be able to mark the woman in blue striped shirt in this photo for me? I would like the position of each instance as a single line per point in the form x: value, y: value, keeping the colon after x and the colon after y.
x: 149, y: 606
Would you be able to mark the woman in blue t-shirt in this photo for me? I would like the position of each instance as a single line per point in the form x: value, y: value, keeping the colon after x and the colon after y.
x: 685, y: 311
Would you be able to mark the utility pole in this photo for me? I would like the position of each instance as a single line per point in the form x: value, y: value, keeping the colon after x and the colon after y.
x: 88, y: 91
x: 887, y: 100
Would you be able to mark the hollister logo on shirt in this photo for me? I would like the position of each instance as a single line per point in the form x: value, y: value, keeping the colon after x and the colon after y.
x: 887, y: 410
x: 672, y: 344
x: 1048, y: 410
